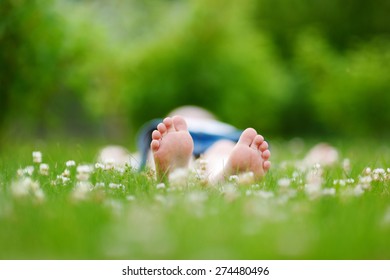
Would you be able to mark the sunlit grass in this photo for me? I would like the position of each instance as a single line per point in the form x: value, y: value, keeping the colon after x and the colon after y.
x: 61, y: 204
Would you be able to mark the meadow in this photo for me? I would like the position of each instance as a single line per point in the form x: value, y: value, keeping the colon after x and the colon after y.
x: 57, y: 202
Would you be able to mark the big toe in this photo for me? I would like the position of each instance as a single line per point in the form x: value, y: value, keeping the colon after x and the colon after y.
x: 247, y: 136
x: 179, y: 123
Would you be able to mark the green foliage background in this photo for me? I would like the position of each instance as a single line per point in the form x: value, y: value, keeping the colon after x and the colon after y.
x: 286, y: 67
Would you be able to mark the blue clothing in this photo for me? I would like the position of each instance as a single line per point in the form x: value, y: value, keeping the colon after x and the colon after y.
x: 202, y: 140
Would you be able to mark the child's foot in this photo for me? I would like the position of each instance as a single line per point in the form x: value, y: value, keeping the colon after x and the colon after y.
x: 172, y: 146
x: 250, y: 154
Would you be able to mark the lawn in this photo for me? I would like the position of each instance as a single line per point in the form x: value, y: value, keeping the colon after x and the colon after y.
x: 70, y: 207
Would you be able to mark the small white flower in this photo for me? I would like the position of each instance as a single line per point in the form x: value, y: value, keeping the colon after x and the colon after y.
x: 29, y: 170
x: 347, y: 165
x: 66, y: 173
x: 84, y: 169
x: 379, y: 171
x: 230, y: 192
x: 81, y: 190
x: 350, y: 181
x: 115, y: 186
x: 37, y: 157
x: 63, y: 178
x: 178, y: 177
x: 358, y: 190
x: 44, y: 169
x: 329, y: 191
x: 367, y: 171
x: 248, y: 193
x: 109, y: 163
x: 160, y: 186
x: 70, y: 163
x: 233, y: 178
x: 26, y: 186
x: 100, y: 185
x: 284, y: 182
x: 378, y: 174
x: 366, y: 180
x: 246, y: 178
x: 313, y: 190
x: 83, y: 172
x: 99, y: 165
x: 264, y: 194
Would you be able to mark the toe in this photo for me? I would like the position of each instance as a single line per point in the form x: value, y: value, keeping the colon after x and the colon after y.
x: 162, y: 128
x: 257, y: 141
x: 247, y: 136
x: 179, y: 123
x: 266, y: 155
x: 154, y: 145
x: 263, y: 146
x: 168, y: 123
x: 266, y: 165
x: 156, y: 135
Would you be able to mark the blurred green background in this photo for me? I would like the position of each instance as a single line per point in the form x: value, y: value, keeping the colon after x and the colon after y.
x: 100, y: 69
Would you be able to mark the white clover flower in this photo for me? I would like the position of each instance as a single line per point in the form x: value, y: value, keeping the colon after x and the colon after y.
x: 44, y: 169
x: 313, y: 190
x: 379, y: 171
x: 264, y: 194
x: 83, y: 172
x: 233, y: 178
x: 70, y: 163
x: 378, y: 174
x: 109, y: 163
x: 347, y: 165
x: 29, y: 170
x: 284, y: 182
x: 367, y: 171
x: 178, y: 177
x: 160, y: 186
x: 100, y: 185
x: 39, y: 194
x: 37, y: 157
x: 329, y: 191
x: 350, y: 181
x: 230, y: 192
x: 64, y: 179
x: 358, y: 190
x: 295, y: 174
x: 246, y: 178
x: 317, y: 166
x: 26, y: 186
x: 81, y: 190
x: 342, y: 182
x: 366, y: 180
x: 99, y: 165
x: 84, y: 169
x: 115, y: 186
x: 66, y: 173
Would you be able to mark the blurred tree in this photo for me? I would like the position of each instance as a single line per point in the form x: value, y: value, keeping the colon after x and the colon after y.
x: 288, y: 68
x: 344, y: 23
x: 214, y: 59
x: 39, y: 58
x: 30, y: 41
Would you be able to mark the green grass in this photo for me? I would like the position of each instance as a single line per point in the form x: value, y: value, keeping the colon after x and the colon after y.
x: 191, y: 221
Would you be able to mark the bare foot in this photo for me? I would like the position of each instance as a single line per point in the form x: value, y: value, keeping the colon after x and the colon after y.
x: 172, y: 146
x: 250, y: 154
